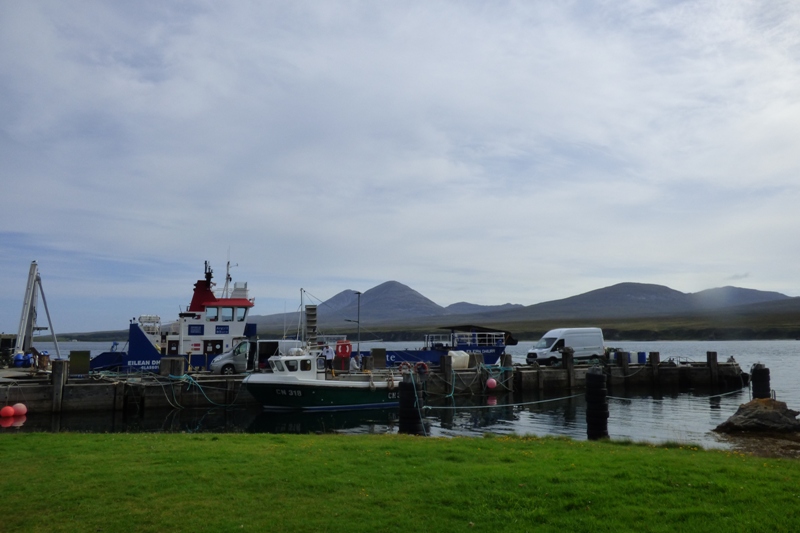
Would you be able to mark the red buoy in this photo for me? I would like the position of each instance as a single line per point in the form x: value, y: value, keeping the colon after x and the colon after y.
x: 20, y: 409
x: 6, y: 411
x: 6, y: 421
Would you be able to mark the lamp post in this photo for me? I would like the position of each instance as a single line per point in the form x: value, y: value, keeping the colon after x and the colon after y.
x: 358, y: 325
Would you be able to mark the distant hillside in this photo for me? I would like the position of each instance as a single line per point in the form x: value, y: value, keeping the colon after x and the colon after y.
x: 392, y: 310
x: 393, y: 306
x: 464, y: 308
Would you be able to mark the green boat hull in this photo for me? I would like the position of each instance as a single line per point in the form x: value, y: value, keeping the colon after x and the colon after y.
x: 317, y: 397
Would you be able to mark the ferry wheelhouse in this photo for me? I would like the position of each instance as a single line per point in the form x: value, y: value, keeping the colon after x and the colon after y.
x: 211, y: 325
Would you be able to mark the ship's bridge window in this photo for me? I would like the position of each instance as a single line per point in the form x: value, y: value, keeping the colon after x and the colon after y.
x: 241, y: 313
x: 227, y: 314
x: 276, y: 365
x: 212, y: 314
x: 291, y: 365
x: 305, y: 365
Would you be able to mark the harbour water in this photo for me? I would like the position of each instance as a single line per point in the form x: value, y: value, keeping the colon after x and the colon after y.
x: 686, y: 417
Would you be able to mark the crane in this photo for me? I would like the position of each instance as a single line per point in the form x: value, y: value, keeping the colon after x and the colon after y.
x: 27, y: 320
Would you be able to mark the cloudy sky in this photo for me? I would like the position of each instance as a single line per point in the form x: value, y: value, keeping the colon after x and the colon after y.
x: 487, y: 152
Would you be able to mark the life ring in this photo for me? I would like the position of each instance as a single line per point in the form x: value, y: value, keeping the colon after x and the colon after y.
x: 421, y: 365
x: 344, y: 348
x: 405, y: 365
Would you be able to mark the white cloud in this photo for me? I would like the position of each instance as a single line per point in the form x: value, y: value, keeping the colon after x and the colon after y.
x: 340, y: 145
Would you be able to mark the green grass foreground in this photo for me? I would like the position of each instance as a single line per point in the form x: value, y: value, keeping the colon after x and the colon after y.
x: 261, y: 482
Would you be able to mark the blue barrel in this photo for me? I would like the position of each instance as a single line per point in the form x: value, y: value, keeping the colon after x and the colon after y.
x: 642, y: 358
x: 18, y: 360
x: 26, y: 361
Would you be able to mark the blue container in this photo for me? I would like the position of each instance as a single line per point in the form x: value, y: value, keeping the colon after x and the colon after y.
x: 18, y: 360
x: 642, y: 358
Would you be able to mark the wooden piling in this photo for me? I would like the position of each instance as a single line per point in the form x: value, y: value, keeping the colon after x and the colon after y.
x: 655, y: 360
x: 568, y: 362
x: 713, y: 366
x: 60, y: 369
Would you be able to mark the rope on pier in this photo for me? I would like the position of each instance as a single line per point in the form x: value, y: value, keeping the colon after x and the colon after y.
x: 455, y: 408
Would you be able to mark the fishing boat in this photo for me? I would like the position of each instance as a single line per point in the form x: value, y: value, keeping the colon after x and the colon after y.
x: 465, y: 338
x: 212, y: 324
x: 300, y: 381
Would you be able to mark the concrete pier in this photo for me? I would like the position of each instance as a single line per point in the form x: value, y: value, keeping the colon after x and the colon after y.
x: 62, y: 391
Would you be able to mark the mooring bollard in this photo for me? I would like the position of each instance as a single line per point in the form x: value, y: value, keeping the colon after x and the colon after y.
x: 410, y: 412
x: 596, y: 404
x: 759, y: 377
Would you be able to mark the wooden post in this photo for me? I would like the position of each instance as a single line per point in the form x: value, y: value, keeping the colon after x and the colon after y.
x: 508, y: 371
x: 446, y: 365
x: 59, y: 377
x: 655, y: 360
x: 713, y: 366
x: 624, y: 359
x: 568, y: 362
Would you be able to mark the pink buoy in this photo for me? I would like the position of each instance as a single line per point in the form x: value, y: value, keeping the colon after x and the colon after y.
x: 491, y: 400
x: 17, y: 421
x: 20, y: 409
x: 491, y: 383
x: 6, y: 411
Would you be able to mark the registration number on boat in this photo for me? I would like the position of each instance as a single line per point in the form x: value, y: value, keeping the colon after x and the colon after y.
x: 288, y: 392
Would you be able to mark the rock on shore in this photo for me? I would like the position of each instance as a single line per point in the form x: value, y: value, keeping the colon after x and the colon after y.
x: 761, y: 415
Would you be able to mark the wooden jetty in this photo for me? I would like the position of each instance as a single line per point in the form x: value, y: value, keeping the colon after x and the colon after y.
x: 69, y: 387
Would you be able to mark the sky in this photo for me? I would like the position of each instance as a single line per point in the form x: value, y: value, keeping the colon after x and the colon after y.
x: 487, y: 152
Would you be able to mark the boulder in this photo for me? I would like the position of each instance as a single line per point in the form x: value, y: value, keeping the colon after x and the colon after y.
x: 762, y: 415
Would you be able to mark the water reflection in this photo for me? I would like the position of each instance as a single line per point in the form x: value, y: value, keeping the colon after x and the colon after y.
x: 359, y: 421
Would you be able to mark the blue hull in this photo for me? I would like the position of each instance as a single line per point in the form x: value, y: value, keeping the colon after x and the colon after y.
x: 432, y: 357
x: 141, y: 356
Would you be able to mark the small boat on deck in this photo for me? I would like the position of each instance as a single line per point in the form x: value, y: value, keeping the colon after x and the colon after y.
x: 212, y: 324
x: 300, y: 381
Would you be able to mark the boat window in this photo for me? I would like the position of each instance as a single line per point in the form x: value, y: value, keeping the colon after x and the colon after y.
x: 291, y: 365
x: 305, y: 365
x: 241, y: 314
x: 545, y: 342
x: 272, y: 365
x: 320, y: 363
x: 212, y: 313
x: 227, y: 314
x: 279, y: 366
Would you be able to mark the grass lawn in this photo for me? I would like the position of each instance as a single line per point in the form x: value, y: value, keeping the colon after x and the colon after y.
x: 262, y: 482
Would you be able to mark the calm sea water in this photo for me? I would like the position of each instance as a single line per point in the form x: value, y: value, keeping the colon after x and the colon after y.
x: 684, y: 417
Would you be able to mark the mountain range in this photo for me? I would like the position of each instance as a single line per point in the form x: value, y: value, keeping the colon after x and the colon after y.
x: 392, y: 305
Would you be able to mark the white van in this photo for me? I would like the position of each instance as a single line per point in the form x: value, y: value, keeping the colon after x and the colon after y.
x: 250, y: 355
x: 587, y: 343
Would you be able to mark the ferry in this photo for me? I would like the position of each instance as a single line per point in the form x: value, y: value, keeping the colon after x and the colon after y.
x: 465, y: 338
x: 212, y: 324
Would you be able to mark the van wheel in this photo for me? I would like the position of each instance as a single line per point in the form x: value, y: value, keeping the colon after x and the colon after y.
x: 552, y: 361
x: 228, y: 370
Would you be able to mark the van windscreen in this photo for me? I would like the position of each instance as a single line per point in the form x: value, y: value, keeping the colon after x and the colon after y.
x: 545, y: 342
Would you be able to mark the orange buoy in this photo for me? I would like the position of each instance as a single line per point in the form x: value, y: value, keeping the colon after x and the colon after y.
x: 7, y: 411
x: 20, y: 409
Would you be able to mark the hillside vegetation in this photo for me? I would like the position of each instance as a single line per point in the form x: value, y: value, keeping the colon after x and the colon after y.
x: 630, y: 311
